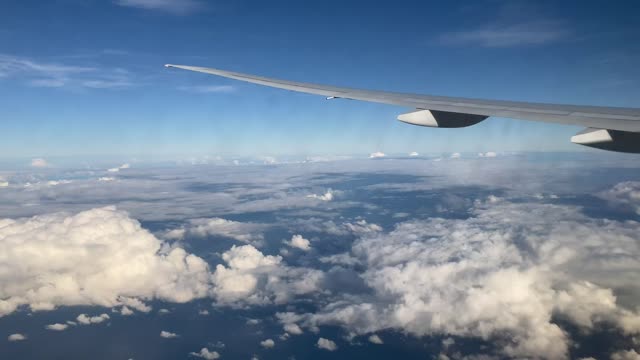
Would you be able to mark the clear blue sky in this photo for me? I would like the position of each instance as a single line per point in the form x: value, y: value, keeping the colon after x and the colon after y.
x: 86, y: 77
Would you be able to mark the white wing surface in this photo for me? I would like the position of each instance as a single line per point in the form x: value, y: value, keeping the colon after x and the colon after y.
x: 609, y: 128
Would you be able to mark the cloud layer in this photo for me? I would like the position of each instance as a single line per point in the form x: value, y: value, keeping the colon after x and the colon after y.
x: 96, y: 257
x: 502, y: 275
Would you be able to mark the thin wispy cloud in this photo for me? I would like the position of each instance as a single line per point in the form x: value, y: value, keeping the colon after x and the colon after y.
x: 177, y: 7
x: 514, y: 23
x: 45, y: 74
x: 203, y: 89
x: 509, y: 35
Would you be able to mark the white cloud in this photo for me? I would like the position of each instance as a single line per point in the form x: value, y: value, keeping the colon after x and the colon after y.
x: 241, y: 231
x: 514, y: 267
x: 206, y: 354
x: 168, y: 334
x: 292, y: 329
x: 58, y: 182
x: 134, y: 303
x: 84, y: 319
x: 121, y: 167
x: 625, y: 355
x: 344, y: 259
x: 178, y: 7
x: 488, y: 154
x: 39, y: 163
x: 298, y: 242
x: 163, y: 311
x: 326, y: 344
x: 455, y: 155
x: 57, y: 327
x: 253, y: 278
x: 106, y: 178
x: 105, y: 246
x: 625, y: 194
x: 203, y: 312
x: 269, y: 160
x: 267, y: 344
x: 125, y: 311
x: 362, y: 227
x: 17, y: 337
x: 376, y: 155
x: 328, y: 196
x: 413, y: 153
x: 375, y: 339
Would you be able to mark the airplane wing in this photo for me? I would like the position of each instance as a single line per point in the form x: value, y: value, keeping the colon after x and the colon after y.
x: 608, y: 128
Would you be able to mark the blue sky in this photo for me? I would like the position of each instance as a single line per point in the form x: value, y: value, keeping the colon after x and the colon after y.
x: 85, y: 78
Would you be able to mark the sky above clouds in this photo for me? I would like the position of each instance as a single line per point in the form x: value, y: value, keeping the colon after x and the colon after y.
x: 95, y: 83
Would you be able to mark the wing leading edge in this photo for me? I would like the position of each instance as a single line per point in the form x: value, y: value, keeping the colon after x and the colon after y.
x: 441, y: 111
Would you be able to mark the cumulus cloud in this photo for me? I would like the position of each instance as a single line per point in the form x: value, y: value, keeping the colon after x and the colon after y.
x: 113, y: 260
x: 344, y: 259
x: 57, y: 327
x: 39, y: 162
x: 413, y: 153
x: 298, y: 242
x: 375, y: 339
x: 84, y: 319
x: 135, y: 303
x: 625, y: 355
x: 241, y: 231
x: 625, y: 194
x: 251, y: 277
x: 206, y: 354
x: 514, y: 266
x: 17, y: 337
x: 293, y: 329
x: 362, y: 227
x: 125, y: 311
x: 357, y: 227
x: 455, y: 155
x: 328, y: 196
x: 377, y: 155
x: 168, y: 334
x: 267, y: 344
x: 326, y: 344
